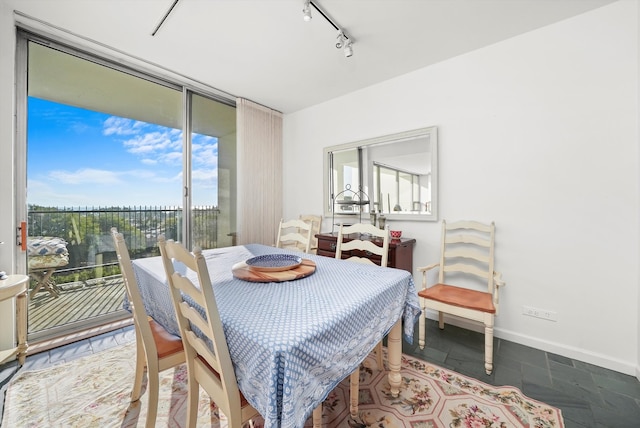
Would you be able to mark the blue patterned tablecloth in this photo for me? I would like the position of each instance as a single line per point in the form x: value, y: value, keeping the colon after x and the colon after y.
x: 292, y: 342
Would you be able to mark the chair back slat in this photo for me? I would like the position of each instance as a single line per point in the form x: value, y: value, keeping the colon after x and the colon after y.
x: 470, y: 224
x: 186, y: 286
x: 467, y: 239
x: 466, y: 253
x: 203, y: 349
x: 357, y: 244
x: 465, y: 268
x: 195, y: 318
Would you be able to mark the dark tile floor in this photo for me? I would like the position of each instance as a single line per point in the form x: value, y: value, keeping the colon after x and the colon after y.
x: 589, y: 396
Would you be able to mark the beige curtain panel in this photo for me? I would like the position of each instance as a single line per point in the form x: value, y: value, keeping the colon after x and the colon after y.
x: 260, y: 173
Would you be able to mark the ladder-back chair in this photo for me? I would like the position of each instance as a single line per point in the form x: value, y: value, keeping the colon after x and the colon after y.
x: 354, y: 250
x: 156, y: 348
x: 316, y: 224
x: 208, y: 364
x: 294, y: 234
x: 466, y: 259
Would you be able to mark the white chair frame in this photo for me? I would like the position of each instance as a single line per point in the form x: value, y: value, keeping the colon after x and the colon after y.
x: 368, y: 246
x: 467, y: 248
x: 156, y: 349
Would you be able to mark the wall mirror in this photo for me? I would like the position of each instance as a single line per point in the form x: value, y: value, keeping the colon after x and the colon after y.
x: 395, y: 175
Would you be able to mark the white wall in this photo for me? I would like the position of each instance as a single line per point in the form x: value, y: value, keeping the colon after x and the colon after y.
x: 540, y: 134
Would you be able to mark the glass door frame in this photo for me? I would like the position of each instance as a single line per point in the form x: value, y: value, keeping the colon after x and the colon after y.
x: 21, y: 107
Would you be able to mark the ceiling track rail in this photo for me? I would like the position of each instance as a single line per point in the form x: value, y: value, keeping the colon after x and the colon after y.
x: 164, y: 18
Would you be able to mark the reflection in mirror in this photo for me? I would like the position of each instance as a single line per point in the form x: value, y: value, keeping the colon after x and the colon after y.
x: 395, y: 175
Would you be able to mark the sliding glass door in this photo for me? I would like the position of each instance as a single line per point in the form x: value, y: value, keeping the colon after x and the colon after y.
x: 108, y: 146
x: 212, y: 169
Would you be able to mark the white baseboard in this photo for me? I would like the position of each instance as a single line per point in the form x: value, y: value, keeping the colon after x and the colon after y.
x: 606, y: 361
x: 572, y: 352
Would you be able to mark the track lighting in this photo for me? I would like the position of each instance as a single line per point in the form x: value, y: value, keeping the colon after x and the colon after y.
x: 343, y: 41
x: 306, y: 11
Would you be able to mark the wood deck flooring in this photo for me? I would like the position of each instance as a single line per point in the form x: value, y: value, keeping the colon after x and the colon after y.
x: 77, y: 302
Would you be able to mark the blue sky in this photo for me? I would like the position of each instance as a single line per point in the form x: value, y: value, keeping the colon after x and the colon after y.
x: 78, y: 158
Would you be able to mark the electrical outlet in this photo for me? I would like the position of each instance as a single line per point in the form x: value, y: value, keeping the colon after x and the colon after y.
x: 540, y: 313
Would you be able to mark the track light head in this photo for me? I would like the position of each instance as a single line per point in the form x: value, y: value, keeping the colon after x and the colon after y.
x: 306, y: 11
x: 340, y: 39
x: 348, y: 49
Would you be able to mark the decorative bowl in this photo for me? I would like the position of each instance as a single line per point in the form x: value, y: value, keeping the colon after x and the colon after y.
x: 274, y: 262
x: 396, y: 234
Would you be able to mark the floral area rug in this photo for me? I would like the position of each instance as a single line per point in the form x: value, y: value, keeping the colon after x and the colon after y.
x: 94, y: 392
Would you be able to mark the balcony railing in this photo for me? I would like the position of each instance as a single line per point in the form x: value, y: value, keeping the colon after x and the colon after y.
x: 87, y: 230
x: 92, y: 258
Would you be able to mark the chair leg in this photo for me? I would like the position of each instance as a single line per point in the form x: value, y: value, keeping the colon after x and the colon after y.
x: 488, y: 347
x: 317, y: 416
x: 193, y: 396
x: 354, y: 391
x: 153, y: 389
x: 421, y: 327
x: 141, y: 362
x: 379, y: 356
x: 441, y: 320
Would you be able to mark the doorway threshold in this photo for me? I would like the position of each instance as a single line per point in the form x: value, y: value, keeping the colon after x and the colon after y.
x: 51, y: 343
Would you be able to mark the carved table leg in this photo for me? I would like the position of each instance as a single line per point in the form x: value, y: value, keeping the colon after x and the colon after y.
x: 354, y: 392
x: 317, y: 416
x: 394, y: 344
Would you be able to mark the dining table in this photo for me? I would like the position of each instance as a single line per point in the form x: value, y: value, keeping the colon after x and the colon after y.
x: 292, y: 341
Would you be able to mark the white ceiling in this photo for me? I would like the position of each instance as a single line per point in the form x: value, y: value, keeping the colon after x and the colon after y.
x: 264, y: 51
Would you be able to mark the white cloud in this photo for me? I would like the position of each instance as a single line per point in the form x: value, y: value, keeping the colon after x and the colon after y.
x: 85, y: 176
x: 115, y: 125
x: 156, y: 144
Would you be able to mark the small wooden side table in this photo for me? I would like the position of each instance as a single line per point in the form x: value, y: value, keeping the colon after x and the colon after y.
x: 16, y: 286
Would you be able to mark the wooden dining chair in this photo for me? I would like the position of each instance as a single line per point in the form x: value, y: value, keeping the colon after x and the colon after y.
x: 355, y: 249
x: 156, y: 348
x: 467, y: 284
x: 295, y: 234
x: 355, y: 243
x: 208, y: 364
x: 316, y: 224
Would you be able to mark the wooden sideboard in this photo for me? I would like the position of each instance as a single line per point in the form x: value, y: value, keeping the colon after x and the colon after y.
x: 400, y: 250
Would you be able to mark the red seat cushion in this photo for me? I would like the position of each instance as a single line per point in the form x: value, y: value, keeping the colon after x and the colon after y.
x: 166, y: 343
x: 461, y: 297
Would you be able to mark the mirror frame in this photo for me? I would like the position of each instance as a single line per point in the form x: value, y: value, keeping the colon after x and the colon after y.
x: 430, y: 132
